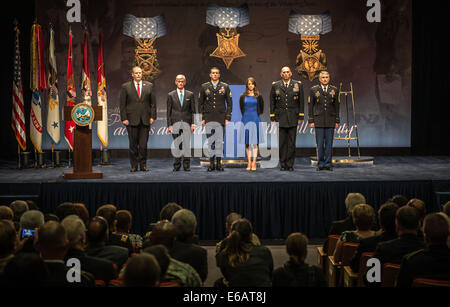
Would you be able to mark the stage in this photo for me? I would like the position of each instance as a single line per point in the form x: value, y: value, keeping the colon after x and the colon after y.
x: 278, y: 203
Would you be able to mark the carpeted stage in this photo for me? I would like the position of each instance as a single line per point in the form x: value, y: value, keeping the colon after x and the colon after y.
x: 278, y: 203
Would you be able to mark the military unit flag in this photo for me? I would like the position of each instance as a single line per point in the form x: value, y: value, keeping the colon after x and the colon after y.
x: 53, y: 121
x: 102, y: 125
x: 69, y: 125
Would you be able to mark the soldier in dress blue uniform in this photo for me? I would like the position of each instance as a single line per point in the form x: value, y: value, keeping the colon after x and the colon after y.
x: 286, y: 108
x: 323, y: 116
x: 215, y: 105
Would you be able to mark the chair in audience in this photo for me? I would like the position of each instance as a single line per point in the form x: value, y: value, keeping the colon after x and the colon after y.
x: 100, y: 283
x: 322, y: 259
x: 389, y: 274
x: 335, y: 276
x: 355, y: 279
x: 425, y: 282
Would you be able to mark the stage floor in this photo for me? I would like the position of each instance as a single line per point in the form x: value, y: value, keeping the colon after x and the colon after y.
x: 385, y: 168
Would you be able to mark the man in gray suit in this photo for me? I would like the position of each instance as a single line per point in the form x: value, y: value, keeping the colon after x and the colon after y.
x: 137, y: 112
x: 181, y: 109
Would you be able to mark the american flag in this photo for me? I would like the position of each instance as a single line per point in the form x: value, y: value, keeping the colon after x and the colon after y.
x: 18, y: 116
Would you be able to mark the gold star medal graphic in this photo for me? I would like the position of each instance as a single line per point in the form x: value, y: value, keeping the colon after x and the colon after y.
x: 227, y: 19
x: 311, y: 59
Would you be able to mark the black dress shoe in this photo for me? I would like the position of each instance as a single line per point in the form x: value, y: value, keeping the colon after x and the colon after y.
x: 283, y: 169
x: 329, y: 168
x: 144, y: 169
x: 291, y: 169
x: 133, y: 169
x: 187, y: 169
x: 176, y: 169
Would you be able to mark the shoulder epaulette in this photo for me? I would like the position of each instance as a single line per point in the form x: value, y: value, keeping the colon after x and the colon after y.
x: 414, y: 253
x: 315, y: 86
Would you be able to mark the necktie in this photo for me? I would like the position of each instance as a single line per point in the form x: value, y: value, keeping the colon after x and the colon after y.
x: 138, y: 90
x: 181, y: 98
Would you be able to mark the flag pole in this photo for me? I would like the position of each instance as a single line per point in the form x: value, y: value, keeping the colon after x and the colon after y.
x: 53, y: 158
x: 70, y: 162
x: 18, y: 160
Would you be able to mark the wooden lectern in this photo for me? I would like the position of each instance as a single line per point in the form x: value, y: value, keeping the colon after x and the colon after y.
x: 82, y: 148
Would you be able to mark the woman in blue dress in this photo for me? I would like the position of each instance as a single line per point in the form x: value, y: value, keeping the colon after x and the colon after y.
x: 252, y: 106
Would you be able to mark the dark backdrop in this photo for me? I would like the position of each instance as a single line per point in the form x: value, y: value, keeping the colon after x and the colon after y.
x: 430, y: 129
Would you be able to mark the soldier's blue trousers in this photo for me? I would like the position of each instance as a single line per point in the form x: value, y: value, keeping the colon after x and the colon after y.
x: 324, y: 139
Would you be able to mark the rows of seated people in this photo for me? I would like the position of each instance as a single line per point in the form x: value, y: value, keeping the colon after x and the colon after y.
x: 169, y: 255
x: 407, y: 247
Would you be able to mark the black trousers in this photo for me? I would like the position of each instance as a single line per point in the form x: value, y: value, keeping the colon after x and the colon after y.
x: 287, y: 146
x: 138, y: 137
x: 186, y: 160
x: 216, y: 145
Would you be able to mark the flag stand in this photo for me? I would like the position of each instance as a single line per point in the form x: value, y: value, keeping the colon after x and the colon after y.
x: 19, y: 165
x: 53, y: 159
x: 70, y: 162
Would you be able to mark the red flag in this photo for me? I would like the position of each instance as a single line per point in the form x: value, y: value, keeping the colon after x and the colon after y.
x: 86, y: 81
x: 102, y: 125
x: 18, y: 114
x: 69, y: 126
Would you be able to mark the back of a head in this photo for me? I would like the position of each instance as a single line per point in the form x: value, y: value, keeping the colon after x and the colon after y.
x: 32, y: 219
x: 65, y: 209
x: 75, y: 229
x: 18, y: 207
x: 399, y: 199
x: 185, y: 223
x: 168, y: 211
x: 97, y: 231
x: 51, y: 217
x: 352, y: 200
x: 82, y: 212
x: 419, y: 205
x: 142, y: 271
x: 231, y: 218
x: 386, y: 214
x: 446, y: 208
x: 109, y: 213
x: 436, y: 229
x: 32, y: 204
x: 164, y: 232
x: 6, y: 213
x: 363, y: 216
x: 407, y: 218
x: 297, y: 247
x: 8, y: 238
x: 161, y: 254
x: 52, y: 235
x: 244, y: 228
x: 239, y: 242
x: 124, y: 219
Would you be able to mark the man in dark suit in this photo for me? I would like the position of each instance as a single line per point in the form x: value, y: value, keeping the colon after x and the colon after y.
x: 181, y: 109
x: 323, y: 116
x: 432, y: 262
x: 407, y: 225
x: 215, y: 105
x: 286, y: 108
x: 137, y: 112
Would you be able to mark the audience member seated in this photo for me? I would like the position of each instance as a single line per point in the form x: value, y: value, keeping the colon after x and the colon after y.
x: 407, y: 225
x: 6, y: 213
x: 162, y: 256
x: 102, y: 269
x: 142, y: 271
x: 65, y: 209
x: 433, y: 262
x: 166, y: 213
x: 25, y: 270
x: 8, y: 242
x: 108, y: 212
x: 295, y: 272
x: 32, y: 205
x: 338, y: 227
x: 164, y: 232
x: 51, y: 217
x: 363, y: 219
x: 18, y: 207
x: 399, y: 199
x: 448, y: 220
x: 30, y: 222
x: 123, y: 226
x: 230, y: 219
x: 183, y: 248
x: 242, y: 263
x: 386, y: 218
x: 51, y: 241
x: 446, y: 208
x: 97, y: 236
x: 82, y: 212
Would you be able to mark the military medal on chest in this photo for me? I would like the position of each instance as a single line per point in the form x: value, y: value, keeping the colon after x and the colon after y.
x: 145, y: 31
x: 311, y: 59
x: 227, y: 19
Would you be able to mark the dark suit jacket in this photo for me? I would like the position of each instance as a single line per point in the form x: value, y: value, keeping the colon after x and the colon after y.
x: 116, y: 254
x: 191, y: 254
x: 298, y: 275
x: 215, y: 104
x: 176, y: 112
x: 134, y: 109
x: 338, y: 227
x: 286, y: 105
x: 432, y: 262
x: 368, y: 245
x: 102, y: 269
x: 394, y: 250
x: 323, y: 107
x: 260, y: 102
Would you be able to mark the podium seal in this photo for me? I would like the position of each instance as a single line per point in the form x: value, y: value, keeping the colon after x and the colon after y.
x: 83, y: 114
